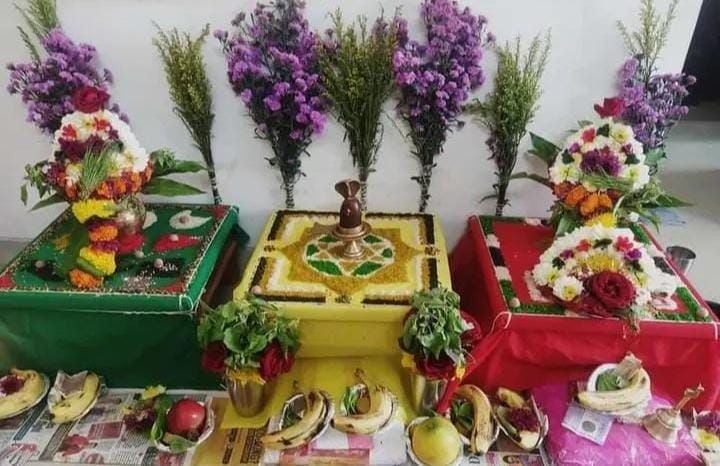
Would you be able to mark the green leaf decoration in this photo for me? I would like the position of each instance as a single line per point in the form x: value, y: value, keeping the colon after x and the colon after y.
x: 568, y: 222
x: 328, y: 239
x: 176, y: 443
x: 543, y: 149
x: 366, y: 268
x: 604, y: 130
x: 311, y: 250
x: 372, y: 239
x: 461, y: 412
x: 170, y: 188
x: 609, y: 381
x: 667, y: 200
x: 326, y: 267
x: 350, y: 400
x: 566, y: 157
x: 165, y: 163
x: 290, y: 418
x: 609, y: 182
x: 653, y: 156
x: 387, y: 253
x: 24, y: 194
x: 78, y: 240
x: 54, y: 199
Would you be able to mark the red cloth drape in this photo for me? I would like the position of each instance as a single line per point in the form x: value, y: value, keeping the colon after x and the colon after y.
x: 522, y: 351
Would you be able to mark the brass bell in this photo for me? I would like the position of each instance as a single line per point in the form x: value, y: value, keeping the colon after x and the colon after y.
x: 665, y: 423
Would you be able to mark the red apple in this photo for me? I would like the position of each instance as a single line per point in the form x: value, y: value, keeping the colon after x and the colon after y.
x: 186, y: 418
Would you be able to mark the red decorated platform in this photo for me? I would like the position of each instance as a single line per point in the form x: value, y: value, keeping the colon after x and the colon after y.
x: 531, y: 342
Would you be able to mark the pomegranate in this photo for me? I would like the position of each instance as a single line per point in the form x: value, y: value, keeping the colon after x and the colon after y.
x: 186, y: 418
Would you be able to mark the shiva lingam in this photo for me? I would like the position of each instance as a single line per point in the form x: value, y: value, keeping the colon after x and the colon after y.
x: 665, y: 423
x: 350, y: 229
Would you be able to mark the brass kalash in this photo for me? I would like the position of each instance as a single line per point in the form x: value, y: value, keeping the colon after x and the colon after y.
x: 351, y: 228
x: 665, y: 423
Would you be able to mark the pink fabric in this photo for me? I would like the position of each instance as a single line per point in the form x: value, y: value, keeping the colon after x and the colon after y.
x: 626, y: 444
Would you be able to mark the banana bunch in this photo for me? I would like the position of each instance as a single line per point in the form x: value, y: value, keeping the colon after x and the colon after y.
x: 622, y: 401
x: 483, y: 432
x: 381, y: 410
x: 316, y: 416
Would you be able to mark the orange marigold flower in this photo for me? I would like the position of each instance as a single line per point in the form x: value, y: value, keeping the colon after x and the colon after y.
x: 119, y: 186
x: 103, y: 233
x: 71, y: 192
x: 605, y: 201
x: 135, y: 182
x: 575, y: 196
x: 561, y: 190
x: 105, y: 190
x: 590, y: 205
x: 84, y: 280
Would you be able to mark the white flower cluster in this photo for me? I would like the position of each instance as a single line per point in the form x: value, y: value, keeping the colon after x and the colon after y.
x: 588, y: 142
x: 589, y: 250
x: 106, y: 125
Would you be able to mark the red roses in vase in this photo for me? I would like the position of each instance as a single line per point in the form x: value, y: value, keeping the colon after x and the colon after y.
x: 437, y: 336
x: 248, y: 340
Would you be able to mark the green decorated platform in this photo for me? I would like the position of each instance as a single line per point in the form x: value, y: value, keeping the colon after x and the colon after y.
x: 140, y: 325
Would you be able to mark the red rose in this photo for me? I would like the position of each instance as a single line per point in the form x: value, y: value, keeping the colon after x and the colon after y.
x: 435, y: 369
x: 274, y: 361
x: 612, y: 289
x: 591, y: 305
x: 89, y: 99
x: 611, y: 107
x: 213, y: 358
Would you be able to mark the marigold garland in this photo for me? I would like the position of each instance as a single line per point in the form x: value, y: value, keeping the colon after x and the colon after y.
x: 102, y: 261
x: 89, y: 208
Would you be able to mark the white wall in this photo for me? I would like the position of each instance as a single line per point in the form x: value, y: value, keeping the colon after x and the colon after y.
x: 586, y: 53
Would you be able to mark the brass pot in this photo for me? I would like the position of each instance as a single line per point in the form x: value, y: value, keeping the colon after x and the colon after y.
x: 248, y: 397
x: 425, y: 393
x: 131, y: 216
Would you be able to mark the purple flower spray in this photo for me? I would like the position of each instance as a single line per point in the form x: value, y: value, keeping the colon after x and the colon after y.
x: 435, y: 80
x: 273, y: 67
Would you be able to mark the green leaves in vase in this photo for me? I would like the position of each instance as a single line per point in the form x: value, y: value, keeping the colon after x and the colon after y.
x: 356, y: 66
x: 510, y: 107
x: 190, y: 91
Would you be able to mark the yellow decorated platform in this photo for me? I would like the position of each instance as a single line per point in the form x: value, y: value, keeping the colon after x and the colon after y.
x: 346, y: 307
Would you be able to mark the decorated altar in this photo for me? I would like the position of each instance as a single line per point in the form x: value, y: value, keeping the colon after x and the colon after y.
x: 140, y: 325
x: 533, y: 341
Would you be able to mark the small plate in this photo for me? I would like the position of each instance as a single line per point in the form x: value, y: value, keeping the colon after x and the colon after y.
x: 206, y: 433
x: 45, y: 390
x: 542, y: 418
x: 408, y: 443
x: 493, y: 419
x: 102, y: 388
x: 362, y: 388
x: 297, y: 403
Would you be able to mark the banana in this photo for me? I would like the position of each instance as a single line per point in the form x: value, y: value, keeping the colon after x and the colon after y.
x: 482, y: 435
x: 380, y: 413
x: 636, y: 393
x: 33, y: 386
x: 318, y: 405
x: 72, y: 407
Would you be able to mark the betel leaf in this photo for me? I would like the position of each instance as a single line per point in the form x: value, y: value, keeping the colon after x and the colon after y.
x: 54, y: 199
x: 543, y: 149
x: 609, y: 381
x: 169, y: 188
x: 290, y: 418
x: 165, y: 163
x: 568, y: 222
x: 176, y: 443
x: 461, y: 412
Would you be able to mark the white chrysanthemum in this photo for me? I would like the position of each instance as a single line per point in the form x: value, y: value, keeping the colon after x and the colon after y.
x: 545, y: 274
x: 567, y: 288
x: 661, y: 282
x: 561, y: 172
x: 638, y: 174
x: 72, y: 173
x: 621, y: 133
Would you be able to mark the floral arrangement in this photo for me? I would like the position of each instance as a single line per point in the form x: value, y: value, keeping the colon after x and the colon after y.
x: 190, y: 91
x: 601, y: 174
x: 436, y: 335
x: 510, y: 108
x: 47, y: 84
x: 653, y: 102
x: 357, y: 75
x: 248, y: 340
x: 603, y: 272
x: 273, y: 66
x: 435, y: 79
